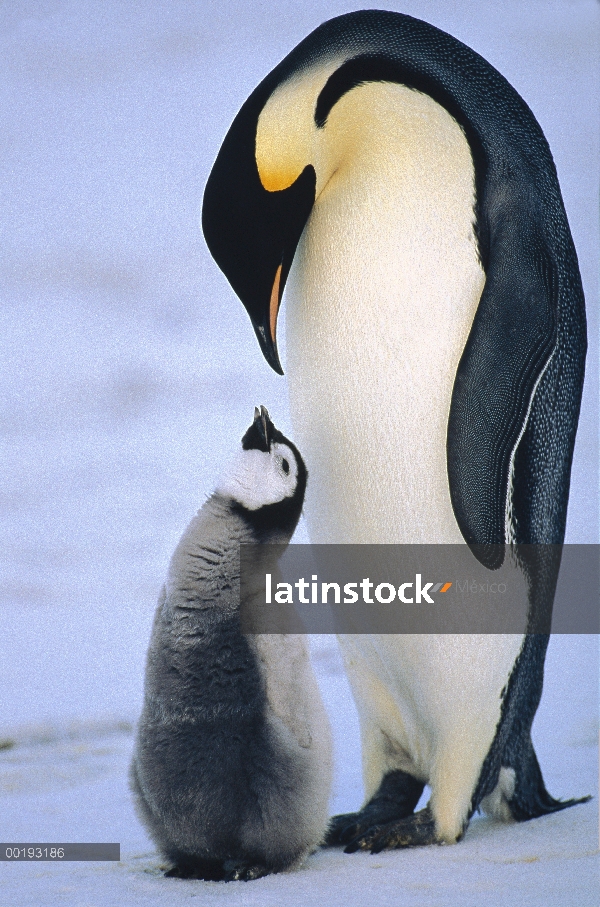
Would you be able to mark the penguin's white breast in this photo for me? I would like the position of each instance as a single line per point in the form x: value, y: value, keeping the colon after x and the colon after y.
x: 433, y: 698
x: 380, y: 302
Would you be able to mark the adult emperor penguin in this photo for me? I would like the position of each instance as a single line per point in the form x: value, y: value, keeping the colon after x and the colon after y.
x: 435, y: 351
x: 232, y: 764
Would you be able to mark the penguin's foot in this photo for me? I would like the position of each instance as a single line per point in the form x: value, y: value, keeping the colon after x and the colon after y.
x: 217, y: 871
x: 414, y: 831
x: 396, y: 798
x: 244, y: 872
x: 207, y: 870
x: 344, y: 828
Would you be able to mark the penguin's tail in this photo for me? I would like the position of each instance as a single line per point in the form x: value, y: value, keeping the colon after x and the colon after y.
x: 530, y: 798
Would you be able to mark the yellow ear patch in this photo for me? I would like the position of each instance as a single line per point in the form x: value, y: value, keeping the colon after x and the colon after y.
x: 286, y: 131
x: 278, y: 179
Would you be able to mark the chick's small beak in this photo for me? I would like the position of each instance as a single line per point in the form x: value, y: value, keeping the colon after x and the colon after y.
x: 262, y: 422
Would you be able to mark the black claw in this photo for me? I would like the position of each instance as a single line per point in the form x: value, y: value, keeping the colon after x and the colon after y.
x: 352, y: 847
x: 349, y: 834
x: 369, y: 839
x: 243, y: 872
x: 256, y: 872
x: 339, y: 830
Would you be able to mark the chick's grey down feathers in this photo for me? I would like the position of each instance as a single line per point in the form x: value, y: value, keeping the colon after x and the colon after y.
x: 232, y: 764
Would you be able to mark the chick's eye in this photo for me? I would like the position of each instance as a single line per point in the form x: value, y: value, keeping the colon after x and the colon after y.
x: 285, y: 466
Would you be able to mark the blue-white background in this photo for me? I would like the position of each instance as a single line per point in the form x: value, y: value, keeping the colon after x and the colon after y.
x: 129, y: 369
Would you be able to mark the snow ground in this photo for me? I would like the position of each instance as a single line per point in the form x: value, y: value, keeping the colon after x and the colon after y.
x: 130, y: 372
x: 66, y: 782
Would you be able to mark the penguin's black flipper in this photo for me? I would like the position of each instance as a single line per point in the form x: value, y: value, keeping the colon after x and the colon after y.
x: 530, y: 798
x: 395, y: 799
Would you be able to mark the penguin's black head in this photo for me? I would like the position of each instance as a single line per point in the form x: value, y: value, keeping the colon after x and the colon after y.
x: 252, y: 232
x: 267, y: 480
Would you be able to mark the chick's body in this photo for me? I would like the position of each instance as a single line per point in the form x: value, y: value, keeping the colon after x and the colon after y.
x: 232, y: 766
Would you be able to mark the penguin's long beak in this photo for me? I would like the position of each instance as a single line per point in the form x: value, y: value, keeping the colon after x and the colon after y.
x: 266, y: 328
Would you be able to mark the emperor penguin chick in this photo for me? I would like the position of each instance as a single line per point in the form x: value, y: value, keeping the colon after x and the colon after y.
x: 232, y: 764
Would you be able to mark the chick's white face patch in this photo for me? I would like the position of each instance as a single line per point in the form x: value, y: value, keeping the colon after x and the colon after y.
x: 255, y: 478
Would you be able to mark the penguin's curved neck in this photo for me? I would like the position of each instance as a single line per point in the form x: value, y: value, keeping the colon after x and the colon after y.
x: 380, y: 301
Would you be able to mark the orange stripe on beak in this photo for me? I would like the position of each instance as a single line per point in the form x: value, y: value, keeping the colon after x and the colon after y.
x: 274, y: 304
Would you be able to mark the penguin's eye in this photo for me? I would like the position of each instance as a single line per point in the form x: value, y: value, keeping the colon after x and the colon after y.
x: 285, y: 466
